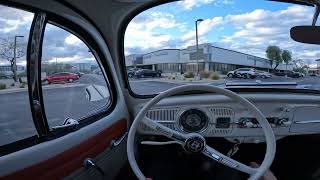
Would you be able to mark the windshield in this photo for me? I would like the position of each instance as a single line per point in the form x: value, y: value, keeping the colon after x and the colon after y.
x: 220, y: 43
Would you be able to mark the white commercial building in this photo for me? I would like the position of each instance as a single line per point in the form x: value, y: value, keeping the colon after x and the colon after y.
x: 6, y: 69
x: 209, y: 58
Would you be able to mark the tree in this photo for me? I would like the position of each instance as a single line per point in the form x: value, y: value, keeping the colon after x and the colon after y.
x: 298, y: 63
x: 7, y: 53
x: 286, y: 57
x: 273, y: 53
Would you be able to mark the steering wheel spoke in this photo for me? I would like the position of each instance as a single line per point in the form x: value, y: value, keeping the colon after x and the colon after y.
x: 225, y: 160
x: 165, y: 131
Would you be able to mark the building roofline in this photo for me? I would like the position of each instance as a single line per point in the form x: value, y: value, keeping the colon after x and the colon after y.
x: 160, y: 50
x: 238, y: 52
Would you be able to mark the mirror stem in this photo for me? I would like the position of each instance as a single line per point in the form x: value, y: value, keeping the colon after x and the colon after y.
x: 316, y: 15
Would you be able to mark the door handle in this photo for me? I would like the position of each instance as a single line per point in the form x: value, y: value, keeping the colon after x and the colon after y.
x: 115, y: 143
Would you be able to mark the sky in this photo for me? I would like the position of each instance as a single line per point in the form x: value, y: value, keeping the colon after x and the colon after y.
x: 233, y: 24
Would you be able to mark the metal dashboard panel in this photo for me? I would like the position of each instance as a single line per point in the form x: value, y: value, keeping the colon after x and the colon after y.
x: 306, y: 119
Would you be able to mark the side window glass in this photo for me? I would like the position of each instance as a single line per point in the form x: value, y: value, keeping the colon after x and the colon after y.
x: 15, y: 115
x: 79, y: 89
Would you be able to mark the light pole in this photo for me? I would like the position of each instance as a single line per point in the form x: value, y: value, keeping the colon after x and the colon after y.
x: 15, y: 58
x: 197, y: 44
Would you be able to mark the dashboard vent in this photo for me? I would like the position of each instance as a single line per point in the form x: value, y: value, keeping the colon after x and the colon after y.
x: 221, y: 112
x: 162, y: 114
x: 220, y: 132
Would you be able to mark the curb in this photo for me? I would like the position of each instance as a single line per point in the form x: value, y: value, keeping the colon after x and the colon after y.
x: 8, y: 91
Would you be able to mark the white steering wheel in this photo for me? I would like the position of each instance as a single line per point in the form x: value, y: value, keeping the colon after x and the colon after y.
x: 194, y: 142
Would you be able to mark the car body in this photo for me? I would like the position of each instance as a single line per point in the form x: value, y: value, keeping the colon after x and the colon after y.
x: 132, y: 72
x: 79, y: 73
x: 291, y: 74
x: 147, y: 73
x: 243, y: 73
x: 61, y: 77
x: 263, y: 74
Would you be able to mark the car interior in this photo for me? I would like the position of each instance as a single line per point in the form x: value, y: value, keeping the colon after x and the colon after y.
x: 104, y: 124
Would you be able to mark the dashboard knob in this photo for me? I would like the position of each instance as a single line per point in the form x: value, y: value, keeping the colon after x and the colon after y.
x: 248, y: 124
x: 284, y: 122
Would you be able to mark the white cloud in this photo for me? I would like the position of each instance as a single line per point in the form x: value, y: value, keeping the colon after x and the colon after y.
x: 189, y: 4
x: 142, y: 32
x: 257, y: 29
x: 204, y: 28
x: 73, y: 40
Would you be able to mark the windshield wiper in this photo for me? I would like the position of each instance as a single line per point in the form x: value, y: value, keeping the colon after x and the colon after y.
x: 260, y: 83
x: 69, y: 123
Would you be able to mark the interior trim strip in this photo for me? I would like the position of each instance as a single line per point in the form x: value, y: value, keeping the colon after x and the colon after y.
x: 307, y: 122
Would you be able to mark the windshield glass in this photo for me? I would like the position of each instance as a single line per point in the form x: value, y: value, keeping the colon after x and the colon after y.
x: 224, y: 43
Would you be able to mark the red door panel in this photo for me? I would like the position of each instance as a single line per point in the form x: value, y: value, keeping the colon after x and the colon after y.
x: 72, y: 159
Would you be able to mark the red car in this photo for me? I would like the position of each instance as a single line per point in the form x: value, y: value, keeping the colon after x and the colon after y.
x: 61, y: 77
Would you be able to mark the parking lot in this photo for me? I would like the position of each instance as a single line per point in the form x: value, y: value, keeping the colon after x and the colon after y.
x: 68, y: 100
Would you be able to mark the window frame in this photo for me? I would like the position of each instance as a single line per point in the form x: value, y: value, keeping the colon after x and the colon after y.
x: 101, y: 60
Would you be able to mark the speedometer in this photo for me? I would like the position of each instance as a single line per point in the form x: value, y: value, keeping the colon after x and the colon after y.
x: 193, y: 120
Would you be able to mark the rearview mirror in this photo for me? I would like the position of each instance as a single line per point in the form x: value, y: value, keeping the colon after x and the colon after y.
x: 96, y: 93
x: 306, y: 34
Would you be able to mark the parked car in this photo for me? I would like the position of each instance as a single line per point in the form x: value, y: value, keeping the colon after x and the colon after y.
x: 243, y: 73
x: 147, y: 73
x: 288, y: 73
x: 61, y: 77
x: 79, y: 73
x: 313, y: 74
x: 132, y: 72
x: 263, y: 74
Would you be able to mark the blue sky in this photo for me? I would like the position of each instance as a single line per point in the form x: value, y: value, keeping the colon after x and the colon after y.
x: 241, y: 25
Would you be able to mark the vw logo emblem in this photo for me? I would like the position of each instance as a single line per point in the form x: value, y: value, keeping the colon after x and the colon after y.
x: 194, y: 145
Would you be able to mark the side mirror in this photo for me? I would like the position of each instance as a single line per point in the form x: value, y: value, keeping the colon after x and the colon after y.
x: 96, y: 93
x: 306, y: 34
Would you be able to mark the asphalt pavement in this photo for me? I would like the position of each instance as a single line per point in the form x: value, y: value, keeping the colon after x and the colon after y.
x: 69, y: 100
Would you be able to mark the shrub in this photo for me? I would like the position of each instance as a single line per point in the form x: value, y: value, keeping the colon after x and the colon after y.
x: 204, y: 75
x: 3, y: 86
x: 224, y: 72
x: 214, y: 76
x: 188, y: 74
x: 12, y: 84
x: 23, y: 85
x: 23, y: 74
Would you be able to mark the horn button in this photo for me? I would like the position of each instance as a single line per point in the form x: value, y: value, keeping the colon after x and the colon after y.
x: 195, y: 144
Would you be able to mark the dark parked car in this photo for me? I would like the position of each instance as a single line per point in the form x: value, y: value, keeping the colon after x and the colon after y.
x: 61, y: 77
x: 289, y: 74
x: 147, y: 73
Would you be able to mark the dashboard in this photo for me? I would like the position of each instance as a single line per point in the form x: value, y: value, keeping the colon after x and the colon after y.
x: 218, y: 116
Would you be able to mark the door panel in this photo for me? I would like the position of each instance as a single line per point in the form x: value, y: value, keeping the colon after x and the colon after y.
x: 70, y: 160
